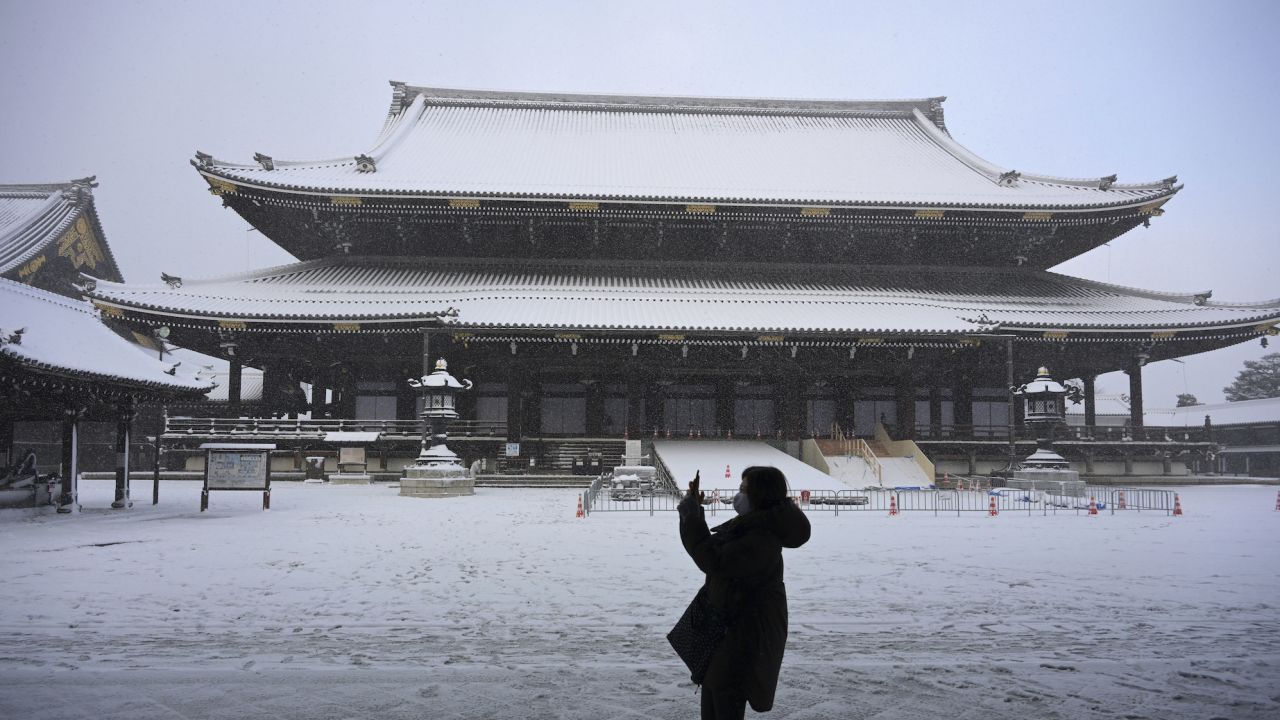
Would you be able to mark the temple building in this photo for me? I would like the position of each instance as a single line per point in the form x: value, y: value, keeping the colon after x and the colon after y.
x: 62, y: 370
x: 609, y: 267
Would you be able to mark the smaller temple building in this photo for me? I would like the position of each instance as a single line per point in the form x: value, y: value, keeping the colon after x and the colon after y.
x: 61, y: 366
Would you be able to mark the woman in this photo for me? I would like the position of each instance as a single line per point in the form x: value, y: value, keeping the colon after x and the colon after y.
x: 743, y: 562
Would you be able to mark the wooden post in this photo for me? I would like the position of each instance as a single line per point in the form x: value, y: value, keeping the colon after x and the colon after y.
x: 935, y: 412
x: 70, y: 459
x: 234, y: 383
x: 1135, y: 395
x: 1008, y: 371
x: 1090, y: 404
x: 124, y: 427
x: 6, y: 441
x: 905, y: 399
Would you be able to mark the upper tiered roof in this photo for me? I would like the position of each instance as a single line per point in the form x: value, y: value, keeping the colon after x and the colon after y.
x: 611, y: 148
x: 46, y: 226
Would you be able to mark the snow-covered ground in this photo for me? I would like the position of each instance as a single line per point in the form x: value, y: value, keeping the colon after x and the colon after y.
x: 352, y: 602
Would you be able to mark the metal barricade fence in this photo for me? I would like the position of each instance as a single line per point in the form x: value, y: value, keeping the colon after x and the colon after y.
x: 602, y: 498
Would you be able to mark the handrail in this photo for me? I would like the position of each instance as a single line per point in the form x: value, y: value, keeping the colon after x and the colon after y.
x: 863, y: 450
x: 664, y: 474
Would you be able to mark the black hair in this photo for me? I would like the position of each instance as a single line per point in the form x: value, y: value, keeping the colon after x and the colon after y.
x: 766, y: 486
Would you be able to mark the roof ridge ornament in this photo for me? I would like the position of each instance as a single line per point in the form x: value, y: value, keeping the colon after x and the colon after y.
x: 1105, y: 183
x: 203, y: 159
x: 1010, y: 178
x: 172, y: 281
x: 265, y: 161
x: 365, y: 164
x: 78, y: 191
x: 1169, y: 182
x: 936, y: 112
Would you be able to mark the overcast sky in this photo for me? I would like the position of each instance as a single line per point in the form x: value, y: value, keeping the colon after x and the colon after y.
x: 128, y: 91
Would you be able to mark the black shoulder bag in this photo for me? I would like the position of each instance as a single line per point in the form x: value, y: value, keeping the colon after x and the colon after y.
x: 697, y: 635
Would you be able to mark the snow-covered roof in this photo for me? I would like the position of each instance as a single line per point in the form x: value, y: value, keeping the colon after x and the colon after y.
x: 54, y: 334
x: 1103, y: 404
x: 1266, y: 410
x: 34, y: 216
x: 468, y: 143
x: 692, y: 296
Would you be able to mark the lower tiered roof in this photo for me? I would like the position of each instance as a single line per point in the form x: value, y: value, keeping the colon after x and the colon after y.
x: 374, y: 293
x: 49, y: 341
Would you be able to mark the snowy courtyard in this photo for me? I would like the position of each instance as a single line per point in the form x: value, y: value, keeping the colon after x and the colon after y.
x: 353, y: 602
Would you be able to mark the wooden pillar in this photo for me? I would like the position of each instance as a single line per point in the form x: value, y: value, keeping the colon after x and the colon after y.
x: 515, y: 403
x: 906, y: 402
x: 6, y: 441
x: 70, y: 468
x: 1135, y: 394
x: 636, y: 420
x: 724, y: 405
x: 846, y: 395
x: 656, y: 406
x: 532, y: 421
x: 406, y: 394
x: 124, y: 426
x: 1090, y: 404
x: 595, y: 408
x: 1013, y: 405
x: 935, y: 412
x: 962, y: 396
x: 788, y: 402
x: 320, y: 401
x: 234, y: 383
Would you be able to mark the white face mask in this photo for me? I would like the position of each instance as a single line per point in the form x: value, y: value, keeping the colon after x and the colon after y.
x: 741, y: 503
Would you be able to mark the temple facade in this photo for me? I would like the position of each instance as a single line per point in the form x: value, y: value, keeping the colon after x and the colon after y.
x: 609, y: 267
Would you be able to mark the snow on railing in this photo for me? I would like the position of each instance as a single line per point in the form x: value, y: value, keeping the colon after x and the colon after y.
x: 892, y: 501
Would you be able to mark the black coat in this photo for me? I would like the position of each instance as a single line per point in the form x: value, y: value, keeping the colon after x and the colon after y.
x: 743, y: 563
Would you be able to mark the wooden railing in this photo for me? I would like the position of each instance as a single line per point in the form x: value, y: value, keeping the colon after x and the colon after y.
x: 855, y: 446
x: 316, y: 429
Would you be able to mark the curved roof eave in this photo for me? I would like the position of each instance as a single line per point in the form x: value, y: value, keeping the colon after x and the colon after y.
x: 328, y: 192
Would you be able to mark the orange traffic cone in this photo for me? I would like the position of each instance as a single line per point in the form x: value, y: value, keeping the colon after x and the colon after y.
x: 991, y: 509
x: 581, y: 514
x: 1120, y: 501
x: 1093, y: 505
x: 1177, y: 505
x: 893, y: 505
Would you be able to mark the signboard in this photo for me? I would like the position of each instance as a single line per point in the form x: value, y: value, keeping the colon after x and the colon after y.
x: 513, y: 449
x: 237, y: 467
x: 237, y: 470
x: 351, y: 456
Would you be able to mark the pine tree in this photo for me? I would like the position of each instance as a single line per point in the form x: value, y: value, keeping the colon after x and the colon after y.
x: 1187, y: 400
x: 1258, y: 379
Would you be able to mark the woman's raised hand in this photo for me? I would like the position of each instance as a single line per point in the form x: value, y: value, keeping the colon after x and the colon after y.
x: 694, y: 485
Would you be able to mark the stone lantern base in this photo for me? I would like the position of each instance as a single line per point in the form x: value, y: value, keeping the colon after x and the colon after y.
x: 1057, y: 481
x: 436, y: 481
